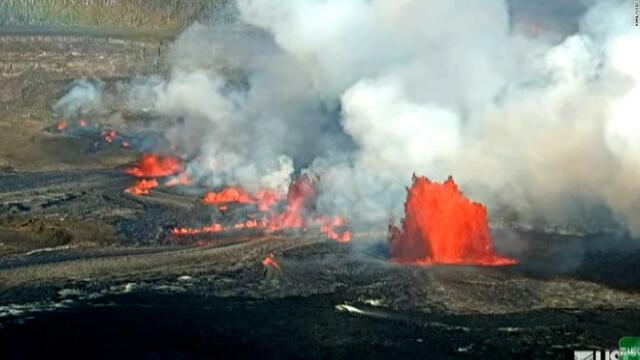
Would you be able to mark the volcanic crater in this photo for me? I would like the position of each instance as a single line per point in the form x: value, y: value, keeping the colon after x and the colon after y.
x: 97, y: 247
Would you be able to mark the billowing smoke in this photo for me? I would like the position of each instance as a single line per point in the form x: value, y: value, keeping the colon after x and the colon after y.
x: 530, y: 123
x: 364, y: 93
x: 250, y: 115
x: 83, y: 97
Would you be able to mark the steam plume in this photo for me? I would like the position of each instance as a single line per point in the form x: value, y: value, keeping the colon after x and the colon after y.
x: 365, y: 93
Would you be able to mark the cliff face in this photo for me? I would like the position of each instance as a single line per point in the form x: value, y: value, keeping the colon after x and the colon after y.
x: 45, y: 44
x: 35, y: 69
x: 134, y: 14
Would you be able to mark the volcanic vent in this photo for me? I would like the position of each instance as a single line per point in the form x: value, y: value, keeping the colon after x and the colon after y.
x: 442, y: 226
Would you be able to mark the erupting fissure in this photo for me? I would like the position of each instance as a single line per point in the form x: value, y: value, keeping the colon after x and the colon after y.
x: 61, y: 125
x: 442, y: 226
x: 270, y: 261
x: 142, y: 187
x: 110, y: 136
x: 299, y: 197
x: 263, y: 199
x: 151, y: 166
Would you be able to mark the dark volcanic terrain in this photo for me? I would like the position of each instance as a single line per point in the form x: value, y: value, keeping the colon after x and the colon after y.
x: 89, y: 271
x: 87, y: 264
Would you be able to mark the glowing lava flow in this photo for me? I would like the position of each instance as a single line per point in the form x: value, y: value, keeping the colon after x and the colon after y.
x: 270, y: 260
x: 181, y: 179
x: 108, y: 135
x: 263, y: 199
x: 150, y: 166
x: 266, y: 198
x: 442, y: 226
x: 301, y: 193
x: 328, y: 225
x: 227, y: 195
x: 201, y: 230
x: 61, y: 125
x: 142, y: 187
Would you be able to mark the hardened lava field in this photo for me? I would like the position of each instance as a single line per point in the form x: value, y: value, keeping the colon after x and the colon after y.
x: 231, y: 217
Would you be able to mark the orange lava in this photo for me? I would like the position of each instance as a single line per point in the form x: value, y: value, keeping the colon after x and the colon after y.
x: 227, y: 195
x: 180, y: 179
x: 266, y: 198
x: 61, y: 125
x: 270, y: 260
x: 328, y: 227
x: 142, y: 187
x: 300, y: 195
x: 263, y: 199
x: 109, y: 135
x: 442, y: 226
x: 214, y: 228
x: 150, y: 166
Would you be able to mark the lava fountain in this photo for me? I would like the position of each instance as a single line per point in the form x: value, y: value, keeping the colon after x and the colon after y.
x: 263, y: 199
x: 442, y: 226
x: 151, y: 165
x: 299, y: 199
x: 142, y: 187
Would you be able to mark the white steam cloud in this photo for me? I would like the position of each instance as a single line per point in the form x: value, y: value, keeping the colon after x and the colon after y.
x: 84, y: 96
x: 366, y: 92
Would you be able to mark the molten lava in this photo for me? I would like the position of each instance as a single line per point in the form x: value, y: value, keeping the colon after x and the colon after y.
x: 328, y: 227
x: 300, y: 194
x: 201, y: 230
x: 270, y: 260
x: 266, y: 198
x: 109, y: 135
x: 227, y: 195
x: 142, y: 187
x: 263, y: 199
x: 442, y: 226
x: 299, y: 198
x: 61, y: 125
x: 180, y: 179
x: 150, y: 166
